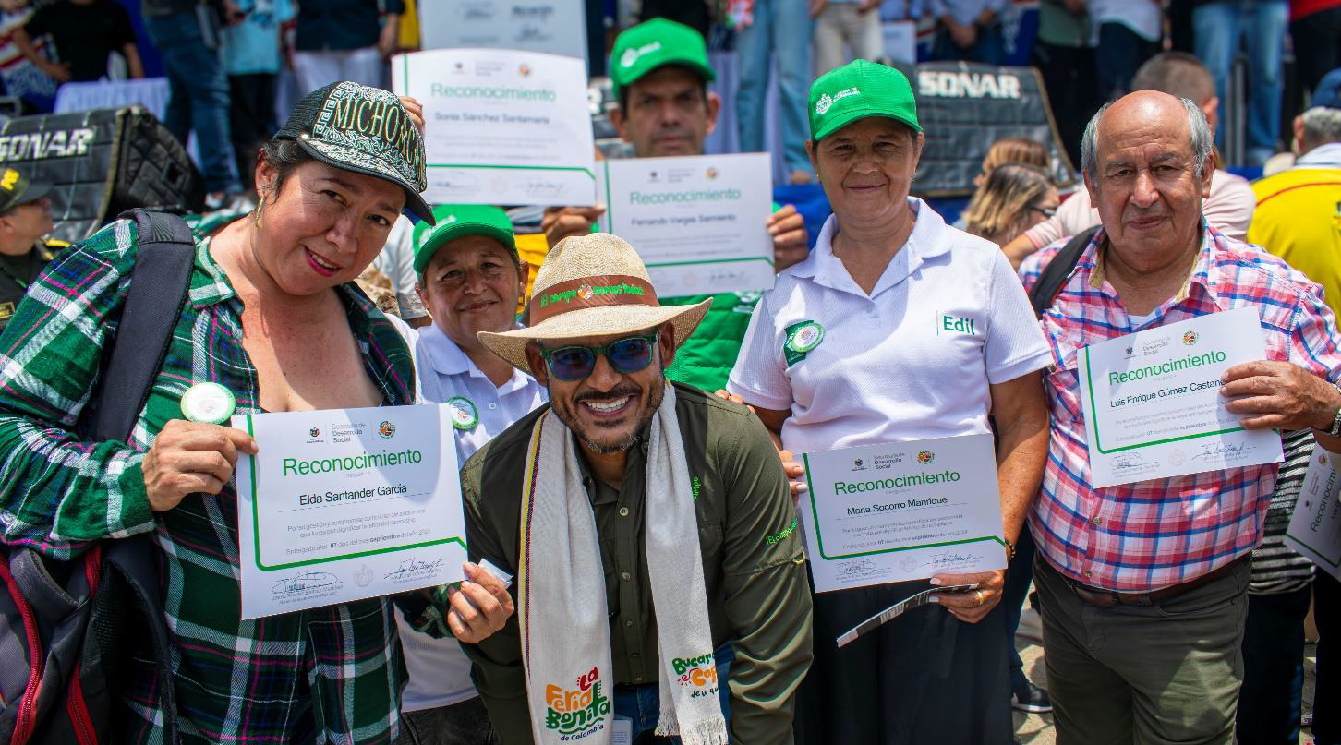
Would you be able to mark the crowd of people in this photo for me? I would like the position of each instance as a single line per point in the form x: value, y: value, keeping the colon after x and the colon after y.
x: 659, y: 437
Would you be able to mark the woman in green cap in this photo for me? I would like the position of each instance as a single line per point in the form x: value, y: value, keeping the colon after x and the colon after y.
x: 851, y: 348
x: 271, y: 323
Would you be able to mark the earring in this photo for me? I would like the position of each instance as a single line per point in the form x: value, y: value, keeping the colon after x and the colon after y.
x: 256, y: 213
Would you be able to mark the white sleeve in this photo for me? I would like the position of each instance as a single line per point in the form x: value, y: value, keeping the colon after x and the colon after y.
x: 1015, y: 342
x: 1229, y: 208
x: 759, y: 375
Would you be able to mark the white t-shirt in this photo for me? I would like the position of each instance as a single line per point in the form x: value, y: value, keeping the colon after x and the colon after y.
x: 914, y: 359
x: 1228, y: 209
x: 439, y: 670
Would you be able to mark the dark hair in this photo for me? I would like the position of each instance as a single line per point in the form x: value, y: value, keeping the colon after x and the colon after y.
x: 624, y: 92
x: 284, y: 155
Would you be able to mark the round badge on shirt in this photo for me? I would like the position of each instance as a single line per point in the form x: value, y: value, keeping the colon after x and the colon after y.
x: 464, y: 413
x: 208, y: 403
x: 805, y: 336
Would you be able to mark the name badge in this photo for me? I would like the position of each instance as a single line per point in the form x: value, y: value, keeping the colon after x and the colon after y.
x: 802, y: 338
x: 464, y: 413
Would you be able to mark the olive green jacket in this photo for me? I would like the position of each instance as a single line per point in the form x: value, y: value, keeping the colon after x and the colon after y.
x: 753, y: 566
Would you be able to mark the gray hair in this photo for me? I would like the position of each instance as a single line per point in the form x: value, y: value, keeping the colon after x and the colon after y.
x: 1202, y: 140
x: 1320, y: 125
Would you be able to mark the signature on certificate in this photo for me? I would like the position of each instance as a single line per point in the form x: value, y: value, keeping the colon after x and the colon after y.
x: 946, y: 559
x: 1127, y: 461
x: 413, y: 569
x: 856, y: 569
x: 305, y: 582
x: 540, y: 187
x: 1228, y: 451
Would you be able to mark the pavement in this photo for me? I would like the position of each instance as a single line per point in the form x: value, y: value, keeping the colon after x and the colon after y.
x: 1038, y: 729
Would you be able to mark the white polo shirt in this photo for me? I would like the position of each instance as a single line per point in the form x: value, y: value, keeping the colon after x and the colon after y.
x: 439, y: 670
x: 911, y: 360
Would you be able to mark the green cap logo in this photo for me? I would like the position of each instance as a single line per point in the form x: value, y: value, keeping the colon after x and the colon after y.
x: 631, y: 56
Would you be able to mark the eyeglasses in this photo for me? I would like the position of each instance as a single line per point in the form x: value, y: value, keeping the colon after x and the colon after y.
x: 1046, y: 211
x: 628, y: 355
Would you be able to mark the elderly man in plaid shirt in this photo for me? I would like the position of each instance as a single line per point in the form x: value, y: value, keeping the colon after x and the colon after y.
x: 1143, y: 587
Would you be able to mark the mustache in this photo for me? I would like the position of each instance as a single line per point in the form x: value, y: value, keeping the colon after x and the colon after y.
x: 673, y: 132
x: 603, y: 396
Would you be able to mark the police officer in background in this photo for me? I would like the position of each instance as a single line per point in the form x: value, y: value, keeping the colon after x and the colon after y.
x: 25, y: 217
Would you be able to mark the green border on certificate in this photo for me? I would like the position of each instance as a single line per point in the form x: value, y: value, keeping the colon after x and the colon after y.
x: 819, y: 538
x: 256, y: 529
x: 1094, y: 425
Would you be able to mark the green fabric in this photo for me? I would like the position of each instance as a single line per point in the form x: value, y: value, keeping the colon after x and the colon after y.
x: 327, y: 674
x: 456, y: 221
x: 706, y: 358
x: 753, y: 566
x: 652, y: 44
x: 855, y: 91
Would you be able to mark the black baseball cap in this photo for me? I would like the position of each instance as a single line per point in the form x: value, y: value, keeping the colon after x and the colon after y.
x: 364, y: 130
x: 16, y: 189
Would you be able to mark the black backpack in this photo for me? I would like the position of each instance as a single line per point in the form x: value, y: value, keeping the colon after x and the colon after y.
x: 67, y: 628
x: 1055, y: 274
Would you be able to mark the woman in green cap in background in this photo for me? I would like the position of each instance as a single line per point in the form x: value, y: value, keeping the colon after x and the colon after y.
x: 877, y: 368
x: 271, y: 323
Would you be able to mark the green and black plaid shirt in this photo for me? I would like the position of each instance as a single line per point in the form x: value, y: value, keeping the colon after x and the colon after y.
x: 326, y: 675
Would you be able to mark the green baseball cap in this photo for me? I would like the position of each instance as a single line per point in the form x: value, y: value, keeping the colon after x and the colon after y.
x: 455, y: 221
x: 857, y: 90
x: 652, y: 44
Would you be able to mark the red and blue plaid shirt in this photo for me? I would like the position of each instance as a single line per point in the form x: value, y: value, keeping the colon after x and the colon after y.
x: 1152, y: 534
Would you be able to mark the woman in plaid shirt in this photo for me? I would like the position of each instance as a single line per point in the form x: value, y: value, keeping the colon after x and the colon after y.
x: 273, y: 316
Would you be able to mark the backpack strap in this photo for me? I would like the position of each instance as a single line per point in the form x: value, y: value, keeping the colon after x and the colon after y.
x: 163, y: 274
x: 1055, y: 274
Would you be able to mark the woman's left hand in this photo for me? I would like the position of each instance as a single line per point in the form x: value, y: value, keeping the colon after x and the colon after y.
x: 415, y: 110
x: 974, y: 605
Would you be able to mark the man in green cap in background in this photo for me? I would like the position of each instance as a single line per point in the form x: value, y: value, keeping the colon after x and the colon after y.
x: 25, y: 217
x: 471, y: 279
x: 661, y: 73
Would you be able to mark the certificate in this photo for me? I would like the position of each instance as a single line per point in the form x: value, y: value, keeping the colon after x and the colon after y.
x: 699, y: 223
x: 902, y: 511
x: 1315, y: 526
x: 502, y: 127
x: 342, y: 505
x: 1152, y: 400
x: 556, y: 27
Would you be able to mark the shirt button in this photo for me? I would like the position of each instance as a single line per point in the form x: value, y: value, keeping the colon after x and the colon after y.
x: 493, y: 406
x: 623, y: 511
x: 1096, y: 521
x: 628, y: 624
x: 1089, y: 574
x: 625, y: 576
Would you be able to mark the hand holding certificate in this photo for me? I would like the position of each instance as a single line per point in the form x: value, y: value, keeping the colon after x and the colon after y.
x: 343, y: 505
x: 902, y: 511
x: 1152, y: 401
x: 699, y: 223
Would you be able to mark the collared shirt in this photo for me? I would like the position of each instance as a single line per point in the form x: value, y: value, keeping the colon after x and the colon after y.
x: 326, y: 674
x: 915, y: 358
x: 439, y: 670
x: 753, y: 565
x: 1322, y: 156
x: 1153, y: 534
x: 1298, y: 218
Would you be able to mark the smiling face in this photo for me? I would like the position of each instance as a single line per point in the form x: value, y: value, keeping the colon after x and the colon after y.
x: 607, y: 409
x: 1145, y: 184
x: 666, y: 112
x: 867, y: 169
x: 472, y: 284
x: 323, y: 226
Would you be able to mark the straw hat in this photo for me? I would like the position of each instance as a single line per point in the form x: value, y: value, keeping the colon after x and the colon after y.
x: 591, y: 285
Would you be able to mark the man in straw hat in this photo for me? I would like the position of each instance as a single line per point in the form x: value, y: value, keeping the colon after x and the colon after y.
x: 649, y: 526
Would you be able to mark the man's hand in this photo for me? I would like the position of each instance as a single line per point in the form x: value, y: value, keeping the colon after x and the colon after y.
x: 867, y: 6
x: 190, y: 458
x: 962, y: 34
x: 389, y: 40
x: 480, y: 605
x: 788, y: 230
x: 58, y: 73
x: 561, y: 222
x: 1280, y: 395
x: 816, y: 7
x: 974, y: 605
x: 415, y: 110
